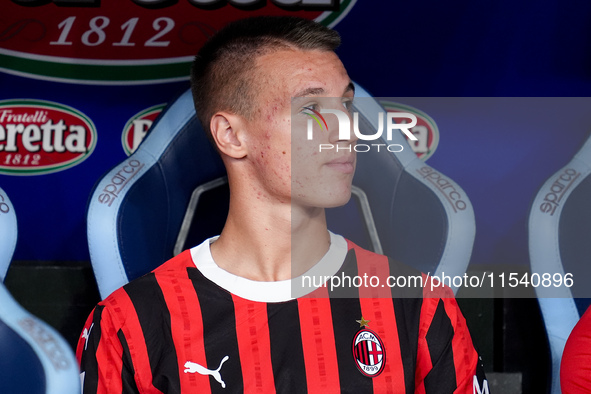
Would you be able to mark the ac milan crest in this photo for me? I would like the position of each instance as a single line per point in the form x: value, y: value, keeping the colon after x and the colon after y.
x: 369, y: 352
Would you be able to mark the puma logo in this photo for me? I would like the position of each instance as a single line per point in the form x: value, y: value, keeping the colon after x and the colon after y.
x: 86, y: 335
x: 200, y: 369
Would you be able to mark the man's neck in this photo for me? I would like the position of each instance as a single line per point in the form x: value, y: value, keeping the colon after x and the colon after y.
x: 270, y: 242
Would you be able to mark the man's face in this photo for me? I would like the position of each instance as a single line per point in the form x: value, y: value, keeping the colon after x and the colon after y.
x: 289, y: 166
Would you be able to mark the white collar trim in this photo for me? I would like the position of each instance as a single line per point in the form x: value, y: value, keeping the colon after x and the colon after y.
x: 279, y: 291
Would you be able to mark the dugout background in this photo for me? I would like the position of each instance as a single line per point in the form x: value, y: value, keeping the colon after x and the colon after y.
x: 62, y: 52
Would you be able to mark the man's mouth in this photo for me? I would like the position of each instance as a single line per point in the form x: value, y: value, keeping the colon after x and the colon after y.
x: 344, y: 164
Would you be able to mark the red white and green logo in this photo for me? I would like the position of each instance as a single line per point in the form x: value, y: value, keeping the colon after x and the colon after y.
x: 425, y: 130
x: 317, y: 117
x: 137, y: 127
x: 128, y: 41
x: 41, y: 137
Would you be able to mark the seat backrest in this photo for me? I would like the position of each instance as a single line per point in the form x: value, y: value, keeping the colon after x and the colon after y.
x: 8, y: 233
x: 423, y: 217
x: 559, y: 230
x: 34, y: 358
x: 136, y: 209
x: 171, y: 194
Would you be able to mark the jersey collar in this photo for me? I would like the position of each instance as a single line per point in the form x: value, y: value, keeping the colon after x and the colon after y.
x: 278, y: 291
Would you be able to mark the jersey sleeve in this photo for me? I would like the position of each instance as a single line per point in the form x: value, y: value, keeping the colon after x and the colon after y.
x: 575, y: 368
x: 101, y: 352
x: 447, y: 361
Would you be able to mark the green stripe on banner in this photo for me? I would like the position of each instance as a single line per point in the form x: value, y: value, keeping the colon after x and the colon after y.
x: 97, y: 73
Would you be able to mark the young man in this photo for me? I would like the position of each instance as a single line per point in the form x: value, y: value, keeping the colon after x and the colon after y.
x: 221, y: 317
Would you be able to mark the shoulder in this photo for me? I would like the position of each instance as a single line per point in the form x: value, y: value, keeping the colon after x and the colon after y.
x: 404, y: 281
x: 575, y: 369
x: 145, y: 288
x: 176, y: 265
x: 365, y: 257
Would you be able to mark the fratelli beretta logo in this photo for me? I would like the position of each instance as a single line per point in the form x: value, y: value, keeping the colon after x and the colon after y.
x: 40, y: 137
x: 128, y: 41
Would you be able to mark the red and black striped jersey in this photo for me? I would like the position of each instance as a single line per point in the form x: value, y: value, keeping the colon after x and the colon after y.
x: 190, y: 327
x: 575, y: 365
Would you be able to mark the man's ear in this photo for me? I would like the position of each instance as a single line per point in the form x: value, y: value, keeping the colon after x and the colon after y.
x: 227, y: 132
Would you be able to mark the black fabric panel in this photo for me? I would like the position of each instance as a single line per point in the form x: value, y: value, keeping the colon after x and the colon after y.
x: 442, y: 378
x: 88, y: 363
x: 128, y: 370
x: 408, y: 313
x: 287, y: 352
x: 154, y: 319
x: 348, y: 269
x: 407, y: 310
x: 218, y: 307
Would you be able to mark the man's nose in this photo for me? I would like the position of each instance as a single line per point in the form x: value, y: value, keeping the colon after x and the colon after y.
x: 341, y: 126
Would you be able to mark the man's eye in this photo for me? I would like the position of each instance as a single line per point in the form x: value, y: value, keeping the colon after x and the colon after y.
x: 310, y: 109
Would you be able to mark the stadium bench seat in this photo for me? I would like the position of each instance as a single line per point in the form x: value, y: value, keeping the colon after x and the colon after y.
x: 559, y: 227
x: 34, y: 358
